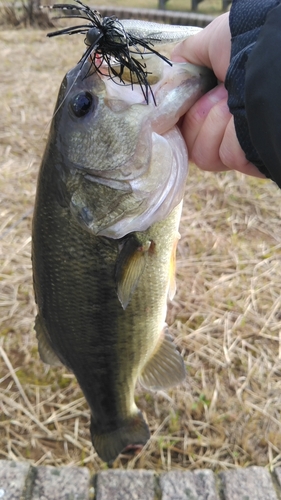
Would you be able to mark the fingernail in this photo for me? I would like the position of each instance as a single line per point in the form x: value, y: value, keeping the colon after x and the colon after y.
x: 217, y: 94
x: 206, y: 103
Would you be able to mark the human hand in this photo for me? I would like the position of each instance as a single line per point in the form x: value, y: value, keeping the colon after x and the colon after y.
x: 208, y: 127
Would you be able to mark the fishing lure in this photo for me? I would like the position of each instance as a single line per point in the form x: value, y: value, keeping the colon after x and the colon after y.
x: 108, y: 41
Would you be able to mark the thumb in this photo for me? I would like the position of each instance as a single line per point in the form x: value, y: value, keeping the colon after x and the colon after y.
x: 193, y: 49
x: 210, y: 47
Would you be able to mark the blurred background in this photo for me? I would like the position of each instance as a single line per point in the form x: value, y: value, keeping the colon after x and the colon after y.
x: 28, y: 13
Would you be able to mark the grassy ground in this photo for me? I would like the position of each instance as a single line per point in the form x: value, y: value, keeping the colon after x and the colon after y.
x: 225, y: 315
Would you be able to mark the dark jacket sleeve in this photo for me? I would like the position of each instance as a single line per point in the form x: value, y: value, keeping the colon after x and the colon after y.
x: 254, y: 82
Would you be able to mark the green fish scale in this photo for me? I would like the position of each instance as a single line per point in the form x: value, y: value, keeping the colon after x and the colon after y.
x: 105, y: 346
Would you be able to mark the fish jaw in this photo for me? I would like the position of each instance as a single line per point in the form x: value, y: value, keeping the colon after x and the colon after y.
x: 159, y: 34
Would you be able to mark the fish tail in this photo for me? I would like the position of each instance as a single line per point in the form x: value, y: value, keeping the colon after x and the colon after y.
x: 132, y: 431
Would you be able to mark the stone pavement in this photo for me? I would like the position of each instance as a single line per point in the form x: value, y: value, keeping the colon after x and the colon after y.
x: 21, y: 481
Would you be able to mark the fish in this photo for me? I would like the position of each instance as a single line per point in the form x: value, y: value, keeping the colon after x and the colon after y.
x: 105, y: 231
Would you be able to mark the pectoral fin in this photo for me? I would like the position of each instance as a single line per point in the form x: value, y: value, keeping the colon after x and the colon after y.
x: 129, y: 268
x: 166, y: 366
x: 46, y: 352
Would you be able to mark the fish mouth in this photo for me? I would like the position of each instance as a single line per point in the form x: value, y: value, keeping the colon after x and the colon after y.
x: 141, y: 168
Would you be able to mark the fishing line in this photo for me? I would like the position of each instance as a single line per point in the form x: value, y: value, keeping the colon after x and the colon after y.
x: 47, y: 126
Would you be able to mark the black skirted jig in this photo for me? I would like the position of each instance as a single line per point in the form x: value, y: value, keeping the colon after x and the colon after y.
x: 108, y: 41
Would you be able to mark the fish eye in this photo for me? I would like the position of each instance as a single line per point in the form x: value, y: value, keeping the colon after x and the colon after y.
x: 81, y: 103
x: 93, y: 36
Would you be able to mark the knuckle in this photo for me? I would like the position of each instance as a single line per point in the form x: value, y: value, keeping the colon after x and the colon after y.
x: 199, y: 158
x: 230, y: 152
x: 194, y: 118
x: 226, y: 156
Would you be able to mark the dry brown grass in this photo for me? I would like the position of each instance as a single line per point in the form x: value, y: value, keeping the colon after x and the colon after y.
x: 225, y: 316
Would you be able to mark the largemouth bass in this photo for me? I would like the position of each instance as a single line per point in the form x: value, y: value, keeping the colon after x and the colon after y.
x: 105, y: 231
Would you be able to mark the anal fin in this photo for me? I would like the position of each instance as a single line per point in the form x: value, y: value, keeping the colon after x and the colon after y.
x: 166, y: 366
x: 46, y: 352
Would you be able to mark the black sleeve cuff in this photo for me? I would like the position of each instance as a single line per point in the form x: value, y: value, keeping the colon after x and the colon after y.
x: 246, y: 22
x: 263, y: 94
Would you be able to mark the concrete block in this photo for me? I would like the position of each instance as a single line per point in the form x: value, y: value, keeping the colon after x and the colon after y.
x: 186, y: 485
x: 253, y: 483
x: 12, y: 479
x: 277, y: 473
x: 178, y: 485
x: 61, y: 483
x: 125, y: 485
x: 205, y: 481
